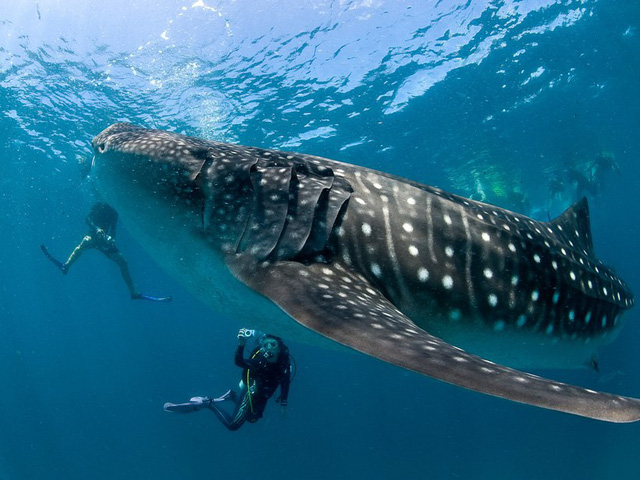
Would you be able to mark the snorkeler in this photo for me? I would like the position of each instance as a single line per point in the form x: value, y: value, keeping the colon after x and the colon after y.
x: 267, y: 366
x: 603, y: 164
x: 588, y: 177
x: 102, y: 220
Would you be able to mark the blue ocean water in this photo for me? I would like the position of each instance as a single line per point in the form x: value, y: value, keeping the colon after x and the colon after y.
x: 511, y: 102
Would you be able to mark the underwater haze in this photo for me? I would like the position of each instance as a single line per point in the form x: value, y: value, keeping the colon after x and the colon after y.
x: 528, y: 105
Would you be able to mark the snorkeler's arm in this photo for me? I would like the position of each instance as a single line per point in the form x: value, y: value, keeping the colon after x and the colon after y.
x: 102, y: 219
x: 92, y: 226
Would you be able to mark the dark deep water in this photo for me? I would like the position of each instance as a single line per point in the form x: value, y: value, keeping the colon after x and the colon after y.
x: 506, y: 101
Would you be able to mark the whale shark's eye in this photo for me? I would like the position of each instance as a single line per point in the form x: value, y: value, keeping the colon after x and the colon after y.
x: 101, y: 147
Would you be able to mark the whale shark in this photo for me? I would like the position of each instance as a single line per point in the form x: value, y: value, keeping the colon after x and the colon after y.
x: 319, y: 250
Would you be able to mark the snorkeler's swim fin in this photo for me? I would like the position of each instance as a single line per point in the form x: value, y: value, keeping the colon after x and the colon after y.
x: 54, y: 260
x: 140, y: 296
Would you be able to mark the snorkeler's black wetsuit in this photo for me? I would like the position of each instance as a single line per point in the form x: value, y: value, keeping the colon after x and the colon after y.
x: 260, y: 379
x: 102, y: 220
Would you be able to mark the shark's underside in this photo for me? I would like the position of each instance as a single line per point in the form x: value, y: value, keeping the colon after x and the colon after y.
x: 404, y: 272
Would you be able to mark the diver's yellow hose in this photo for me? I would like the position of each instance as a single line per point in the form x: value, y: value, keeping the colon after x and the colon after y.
x: 248, y: 384
x: 249, y: 392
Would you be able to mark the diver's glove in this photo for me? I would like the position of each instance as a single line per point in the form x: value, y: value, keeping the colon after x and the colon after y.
x: 244, y: 334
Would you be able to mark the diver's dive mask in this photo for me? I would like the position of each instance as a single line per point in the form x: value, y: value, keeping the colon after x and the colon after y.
x: 270, y: 348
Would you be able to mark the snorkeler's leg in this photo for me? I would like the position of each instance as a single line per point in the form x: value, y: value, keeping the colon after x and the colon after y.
x: 114, y: 255
x: 82, y: 246
x: 53, y: 259
x: 117, y: 257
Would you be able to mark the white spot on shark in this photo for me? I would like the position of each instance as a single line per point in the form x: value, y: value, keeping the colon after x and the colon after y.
x: 423, y: 274
x: 375, y: 269
x: 493, y: 299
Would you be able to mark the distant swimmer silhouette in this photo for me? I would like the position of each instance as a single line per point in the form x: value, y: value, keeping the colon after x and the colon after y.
x: 264, y: 369
x: 102, y: 220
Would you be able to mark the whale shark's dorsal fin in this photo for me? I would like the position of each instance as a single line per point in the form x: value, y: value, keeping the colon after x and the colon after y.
x: 573, y: 224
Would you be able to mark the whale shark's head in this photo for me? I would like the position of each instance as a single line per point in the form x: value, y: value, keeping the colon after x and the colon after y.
x: 150, y: 170
x: 151, y: 178
x: 184, y: 199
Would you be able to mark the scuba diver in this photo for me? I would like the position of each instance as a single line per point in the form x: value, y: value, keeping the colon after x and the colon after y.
x: 102, y: 220
x: 267, y: 366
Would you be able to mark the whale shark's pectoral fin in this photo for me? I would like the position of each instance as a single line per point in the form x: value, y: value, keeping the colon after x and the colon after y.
x: 342, y: 305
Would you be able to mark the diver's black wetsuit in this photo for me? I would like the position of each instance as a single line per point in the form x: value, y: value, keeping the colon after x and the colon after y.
x: 260, y: 379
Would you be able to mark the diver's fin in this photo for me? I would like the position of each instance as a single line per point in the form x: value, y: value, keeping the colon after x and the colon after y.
x: 229, y: 395
x: 54, y: 260
x: 341, y: 304
x: 140, y: 296
x: 181, y: 407
x: 191, y: 406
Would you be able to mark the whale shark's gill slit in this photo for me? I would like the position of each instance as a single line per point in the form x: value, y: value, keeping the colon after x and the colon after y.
x: 269, y: 207
x: 207, y: 156
x: 196, y: 178
x: 294, y: 208
x: 317, y: 235
x: 327, y: 215
x: 305, y: 193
